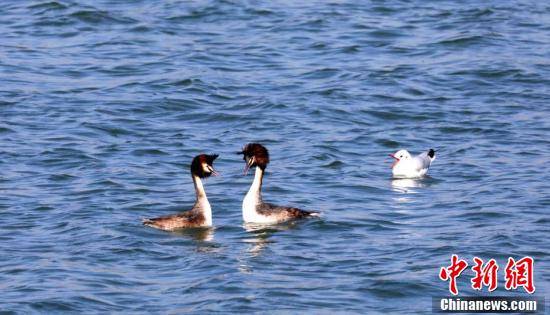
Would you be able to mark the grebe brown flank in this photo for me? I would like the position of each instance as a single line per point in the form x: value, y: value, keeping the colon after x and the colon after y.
x: 201, y: 213
x: 407, y: 166
x: 254, y: 209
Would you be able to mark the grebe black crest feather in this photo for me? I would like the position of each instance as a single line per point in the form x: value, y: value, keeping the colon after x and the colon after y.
x: 257, y: 154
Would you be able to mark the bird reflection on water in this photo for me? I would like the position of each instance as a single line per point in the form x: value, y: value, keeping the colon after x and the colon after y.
x: 407, y: 185
x: 260, y: 235
x: 197, y: 234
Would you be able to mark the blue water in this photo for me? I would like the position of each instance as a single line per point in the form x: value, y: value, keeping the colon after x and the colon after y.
x: 104, y: 103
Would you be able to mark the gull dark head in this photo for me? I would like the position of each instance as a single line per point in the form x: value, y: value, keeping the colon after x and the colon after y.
x: 254, y: 154
x: 202, y: 165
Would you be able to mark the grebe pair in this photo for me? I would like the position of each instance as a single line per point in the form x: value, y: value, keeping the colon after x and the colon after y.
x: 254, y: 209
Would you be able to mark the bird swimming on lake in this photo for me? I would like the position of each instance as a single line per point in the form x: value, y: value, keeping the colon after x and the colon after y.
x: 407, y: 166
x: 201, y: 213
x: 254, y: 209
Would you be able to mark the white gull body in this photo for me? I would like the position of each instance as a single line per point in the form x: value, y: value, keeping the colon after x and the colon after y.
x: 407, y: 166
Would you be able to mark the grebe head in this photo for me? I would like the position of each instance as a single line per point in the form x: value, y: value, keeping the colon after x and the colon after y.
x: 255, y: 154
x: 202, y: 165
x: 400, y: 155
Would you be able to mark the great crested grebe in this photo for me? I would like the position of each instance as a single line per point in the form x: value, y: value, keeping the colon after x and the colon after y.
x: 254, y: 209
x: 201, y: 213
x: 407, y: 166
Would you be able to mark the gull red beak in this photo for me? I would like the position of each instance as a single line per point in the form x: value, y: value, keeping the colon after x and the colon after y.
x: 394, y: 162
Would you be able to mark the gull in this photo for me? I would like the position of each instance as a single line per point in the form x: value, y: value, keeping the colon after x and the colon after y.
x: 407, y: 166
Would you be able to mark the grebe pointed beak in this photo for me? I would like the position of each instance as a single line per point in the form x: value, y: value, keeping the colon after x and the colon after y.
x: 213, y: 171
x: 248, y: 165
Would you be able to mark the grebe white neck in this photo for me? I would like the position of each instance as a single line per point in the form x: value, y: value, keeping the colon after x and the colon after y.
x: 253, y: 198
x: 201, y: 202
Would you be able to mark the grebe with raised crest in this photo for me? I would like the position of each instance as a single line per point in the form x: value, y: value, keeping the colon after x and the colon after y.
x: 201, y: 213
x: 254, y: 209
